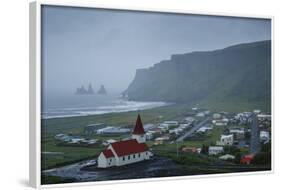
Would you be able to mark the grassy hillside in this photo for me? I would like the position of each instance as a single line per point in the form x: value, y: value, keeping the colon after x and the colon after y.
x: 237, y: 74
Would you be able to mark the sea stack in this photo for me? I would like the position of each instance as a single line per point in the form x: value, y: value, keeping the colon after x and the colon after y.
x: 90, y: 89
x: 102, y: 90
x: 82, y: 90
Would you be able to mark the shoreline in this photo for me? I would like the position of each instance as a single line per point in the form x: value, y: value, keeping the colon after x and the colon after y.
x: 102, y: 110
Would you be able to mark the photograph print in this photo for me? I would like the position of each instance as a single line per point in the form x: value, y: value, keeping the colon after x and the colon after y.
x: 139, y: 94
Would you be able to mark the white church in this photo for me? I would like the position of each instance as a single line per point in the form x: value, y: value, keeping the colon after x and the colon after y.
x: 127, y: 151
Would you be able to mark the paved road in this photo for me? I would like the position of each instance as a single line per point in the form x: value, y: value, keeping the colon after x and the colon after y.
x: 193, y: 129
x: 255, y: 138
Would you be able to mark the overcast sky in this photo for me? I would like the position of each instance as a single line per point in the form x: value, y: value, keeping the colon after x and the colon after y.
x: 82, y: 45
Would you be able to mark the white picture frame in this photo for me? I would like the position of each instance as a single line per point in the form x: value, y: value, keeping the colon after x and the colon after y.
x: 35, y: 90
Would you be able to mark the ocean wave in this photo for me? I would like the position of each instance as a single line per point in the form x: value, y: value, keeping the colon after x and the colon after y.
x: 116, y: 107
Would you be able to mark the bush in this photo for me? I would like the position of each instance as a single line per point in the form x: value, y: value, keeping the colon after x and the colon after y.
x: 205, y: 149
x: 262, y: 158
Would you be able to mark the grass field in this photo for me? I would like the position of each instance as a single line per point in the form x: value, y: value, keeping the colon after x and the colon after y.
x: 75, y: 125
x: 68, y: 154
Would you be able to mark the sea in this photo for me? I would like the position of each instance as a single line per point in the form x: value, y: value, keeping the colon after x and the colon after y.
x: 58, y: 106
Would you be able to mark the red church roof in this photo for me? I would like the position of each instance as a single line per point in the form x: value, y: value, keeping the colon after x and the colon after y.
x: 108, y: 153
x: 138, y: 130
x: 129, y: 147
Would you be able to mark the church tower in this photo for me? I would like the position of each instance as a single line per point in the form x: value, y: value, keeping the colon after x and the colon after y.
x: 138, y: 132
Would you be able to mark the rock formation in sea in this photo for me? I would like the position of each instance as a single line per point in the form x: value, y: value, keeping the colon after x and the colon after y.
x: 82, y: 90
x: 102, y: 90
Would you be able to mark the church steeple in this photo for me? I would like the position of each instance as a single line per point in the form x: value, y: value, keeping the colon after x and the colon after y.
x: 139, y: 133
x: 138, y: 130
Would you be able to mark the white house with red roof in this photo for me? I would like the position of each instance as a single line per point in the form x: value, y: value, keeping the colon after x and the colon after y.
x: 128, y: 151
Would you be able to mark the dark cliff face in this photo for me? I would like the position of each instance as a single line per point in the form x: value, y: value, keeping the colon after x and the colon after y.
x: 240, y: 72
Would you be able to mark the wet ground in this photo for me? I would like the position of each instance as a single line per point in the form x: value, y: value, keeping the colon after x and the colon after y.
x: 82, y: 171
x: 156, y: 167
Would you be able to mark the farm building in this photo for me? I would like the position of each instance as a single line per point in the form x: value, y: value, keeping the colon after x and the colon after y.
x: 264, y: 136
x: 226, y: 140
x: 92, y: 128
x: 214, y: 150
x: 238, y: 133
x: 112, y: 130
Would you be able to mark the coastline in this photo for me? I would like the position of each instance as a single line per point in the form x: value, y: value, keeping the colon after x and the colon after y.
x: 123, y: 106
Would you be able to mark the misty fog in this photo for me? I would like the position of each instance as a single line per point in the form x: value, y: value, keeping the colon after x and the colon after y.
x: 82, y: 46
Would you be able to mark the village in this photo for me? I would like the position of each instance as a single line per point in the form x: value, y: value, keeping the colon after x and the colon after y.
x: 237, y: 138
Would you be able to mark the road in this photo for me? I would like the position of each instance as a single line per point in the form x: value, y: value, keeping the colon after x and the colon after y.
x: 255, y: 138
x: 193, y: 129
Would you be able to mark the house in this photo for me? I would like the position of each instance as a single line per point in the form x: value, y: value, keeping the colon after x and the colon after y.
x: 169, y: 124
x: 243, y: 118
x: 91, y: 129
x: 216, y: 116
x: 161, y: 140
x: 127, y: 151
x: 221, y: 122
x: 176, y: 131
x: 263, y: 117
x: 238, y: 133
x: 112, y: 130
x: 226, y: 140
x: 247, y: 159
x: 227, y: 157
x: 257, y: 111
x: 214, y: 150
x: 75, y: 140
x: 204, y: 129
x: 148, y: 126
x: 201, y: 114
x: 189, y: 120
x: 264, y: 135
x: 109, y: 141
x: 189, y: 149
x: 163, y: 127
x: 155, y: 131
x: 194, y: 109
x: 149, y: 135
x: 185, y: 126
x: 63, y: 137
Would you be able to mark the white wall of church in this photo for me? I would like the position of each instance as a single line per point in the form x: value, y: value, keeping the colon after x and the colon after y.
x: 132, y: 158
x: 111, y: 161
x: 102, y: 162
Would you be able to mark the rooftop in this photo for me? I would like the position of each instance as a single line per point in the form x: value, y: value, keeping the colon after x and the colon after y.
x: 108, y: 153
x: 128, y: 147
